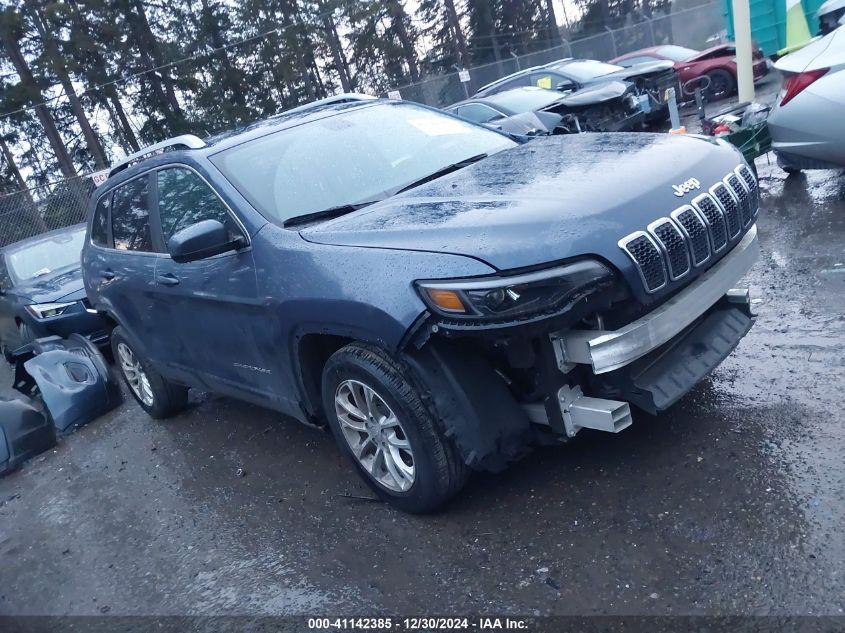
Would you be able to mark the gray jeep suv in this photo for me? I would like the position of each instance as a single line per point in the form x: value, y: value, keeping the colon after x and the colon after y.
x: 441, y: 295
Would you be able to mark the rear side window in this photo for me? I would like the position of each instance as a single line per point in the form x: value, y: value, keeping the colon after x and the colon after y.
x: 100, y: 225
x: 130, y: 216
x: 185, y: 199
x: 516, y: 82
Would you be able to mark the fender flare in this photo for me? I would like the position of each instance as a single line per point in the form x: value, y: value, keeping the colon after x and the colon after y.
x: 473, y: 404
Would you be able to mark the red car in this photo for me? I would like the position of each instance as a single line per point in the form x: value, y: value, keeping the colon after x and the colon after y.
x: 717, y: 63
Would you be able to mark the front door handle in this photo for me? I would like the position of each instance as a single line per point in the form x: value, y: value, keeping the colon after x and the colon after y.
x: 108, y: 275
x: 166, y: 279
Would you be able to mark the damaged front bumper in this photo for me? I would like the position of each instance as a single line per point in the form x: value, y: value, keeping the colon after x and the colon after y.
x: 70, y: 375
x: 606, y: 351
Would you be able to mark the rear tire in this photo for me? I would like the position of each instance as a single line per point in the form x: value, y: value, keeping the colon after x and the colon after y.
x: 378, y: 418
x: 722, y: 85
x: 158, y: 397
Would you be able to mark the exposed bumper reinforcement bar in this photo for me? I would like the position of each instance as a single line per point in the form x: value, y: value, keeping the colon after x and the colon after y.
x: 610, y: 350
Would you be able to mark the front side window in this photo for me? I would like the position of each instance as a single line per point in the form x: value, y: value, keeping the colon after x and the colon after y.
x: 550, y: 81
x: 130, y: 216
x: 355, y: 156
x: 100, y: 224
x: 35, y: 259
x: 185, y: 199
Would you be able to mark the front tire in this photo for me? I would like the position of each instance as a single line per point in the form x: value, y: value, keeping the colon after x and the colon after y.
x: 158, y: 397
x: 381, y: 424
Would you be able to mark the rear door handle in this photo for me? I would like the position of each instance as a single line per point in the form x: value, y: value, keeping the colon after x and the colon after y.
x: 107, y: 275
x: 166, y: 279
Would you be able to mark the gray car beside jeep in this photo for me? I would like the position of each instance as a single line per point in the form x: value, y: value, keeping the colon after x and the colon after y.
x: 441, y: 295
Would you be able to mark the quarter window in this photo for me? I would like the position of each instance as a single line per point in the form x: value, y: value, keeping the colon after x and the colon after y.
x: 185, y: 199
x: 100, y: 226
x: 479, y: 113
x: 130, y: 216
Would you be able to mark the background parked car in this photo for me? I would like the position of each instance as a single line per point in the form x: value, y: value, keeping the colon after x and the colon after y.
x: 831, y: 15
x: 807, y: 124
x: 41, y: 290
x: 611, y: 107
x: 718, y: 64
x: 568, y: 75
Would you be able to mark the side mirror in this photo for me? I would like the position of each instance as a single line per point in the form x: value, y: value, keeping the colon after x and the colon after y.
x: 201, y: 240
x: 564, y: 86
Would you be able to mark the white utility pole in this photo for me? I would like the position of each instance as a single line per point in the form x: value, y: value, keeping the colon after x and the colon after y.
x: 742, y: 36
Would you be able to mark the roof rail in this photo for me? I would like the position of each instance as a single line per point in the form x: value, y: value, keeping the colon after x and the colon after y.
x: 344, y: 97
x: 187, y: 141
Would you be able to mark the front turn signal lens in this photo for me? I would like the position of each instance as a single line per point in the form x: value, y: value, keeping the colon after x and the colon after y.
x: 446, y: 300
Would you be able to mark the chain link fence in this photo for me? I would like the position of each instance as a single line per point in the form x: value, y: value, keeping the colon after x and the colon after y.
x: 29, y: 212
x: 694, y: 27
x: 34, y: 211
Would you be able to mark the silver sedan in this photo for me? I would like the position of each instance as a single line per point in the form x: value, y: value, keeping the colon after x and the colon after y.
x: 808, y: 122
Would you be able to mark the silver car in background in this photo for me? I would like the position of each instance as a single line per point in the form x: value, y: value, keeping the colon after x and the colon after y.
x: 808, y: 121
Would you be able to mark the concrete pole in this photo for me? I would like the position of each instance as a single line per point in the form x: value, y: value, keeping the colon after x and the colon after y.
x: 742, y: 35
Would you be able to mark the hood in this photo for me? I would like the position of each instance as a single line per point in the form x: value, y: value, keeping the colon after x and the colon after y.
x: 637, y: 70
x: 63, y: 285
x: 596, y: 94
x: 553, y: 198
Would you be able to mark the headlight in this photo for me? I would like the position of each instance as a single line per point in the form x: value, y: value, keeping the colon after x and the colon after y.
x: 512, y: 297
x: 47, y: 310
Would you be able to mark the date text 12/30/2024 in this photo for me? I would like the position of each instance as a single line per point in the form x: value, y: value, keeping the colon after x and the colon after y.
x: 418, y: 624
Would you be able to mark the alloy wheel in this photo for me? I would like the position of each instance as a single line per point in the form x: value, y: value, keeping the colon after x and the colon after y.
x: 134, y: 373
x: 375, y: 435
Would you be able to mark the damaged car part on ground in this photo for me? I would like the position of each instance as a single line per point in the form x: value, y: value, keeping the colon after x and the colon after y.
x: 441, y: 295
x: 609, y: 107
x: 24, y: 433
x: 70, y: 376
x: 62, y: 384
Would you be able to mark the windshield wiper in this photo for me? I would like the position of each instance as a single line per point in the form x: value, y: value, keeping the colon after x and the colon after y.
x: 448, y: 169
x: 326, y: 214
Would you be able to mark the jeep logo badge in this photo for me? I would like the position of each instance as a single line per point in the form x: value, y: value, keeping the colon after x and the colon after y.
x: 685, y: 187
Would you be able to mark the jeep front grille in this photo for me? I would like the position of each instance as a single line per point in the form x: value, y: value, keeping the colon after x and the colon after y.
x: 645, y: 253
x: 674, y: 245
x: 716, y: 227
x: 729, y: 206
x: 750, y: 183
x: 741, y: 194
x: 695, y: 230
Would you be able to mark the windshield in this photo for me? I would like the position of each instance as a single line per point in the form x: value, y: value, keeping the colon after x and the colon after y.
x: 357, y: 156
x: 44, y: 257
x: 586, y: 69
x: 525, y: 99
x: 676, y: 53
